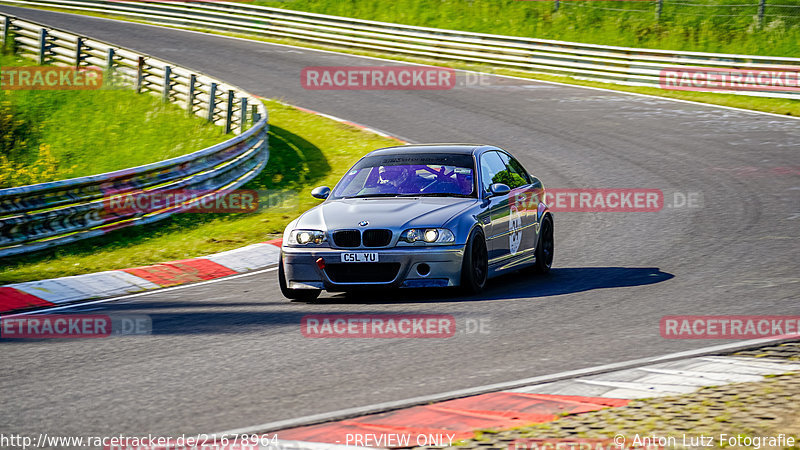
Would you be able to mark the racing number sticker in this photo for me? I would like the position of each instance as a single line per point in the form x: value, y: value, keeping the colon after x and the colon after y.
x: 515, y: 230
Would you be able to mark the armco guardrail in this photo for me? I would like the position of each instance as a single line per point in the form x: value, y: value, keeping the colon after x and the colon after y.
x: 620, y: 65
x: 48, y: 214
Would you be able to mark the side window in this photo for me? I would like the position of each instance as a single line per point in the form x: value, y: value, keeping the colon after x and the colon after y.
x: 511, y: 174
x: 492, y: 168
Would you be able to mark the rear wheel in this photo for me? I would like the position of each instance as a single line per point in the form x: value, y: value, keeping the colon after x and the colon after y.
x: 475, y: 266
x: 294, y: 294
x: 545, y: 247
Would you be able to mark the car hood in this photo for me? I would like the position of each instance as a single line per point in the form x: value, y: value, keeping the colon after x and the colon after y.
x: 383, y: 212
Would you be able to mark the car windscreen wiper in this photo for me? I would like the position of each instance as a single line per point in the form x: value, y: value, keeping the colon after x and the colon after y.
x: 373, y: 195
x: 432, y: 194
x: 441, y: 194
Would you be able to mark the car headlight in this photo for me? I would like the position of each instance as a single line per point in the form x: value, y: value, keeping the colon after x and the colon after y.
x: 305, y: 237
x: 428, y: 236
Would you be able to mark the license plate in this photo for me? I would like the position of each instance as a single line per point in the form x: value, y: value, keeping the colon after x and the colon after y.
x: 359, y: 257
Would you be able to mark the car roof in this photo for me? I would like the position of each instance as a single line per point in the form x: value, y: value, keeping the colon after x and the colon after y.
x: 463, y: 149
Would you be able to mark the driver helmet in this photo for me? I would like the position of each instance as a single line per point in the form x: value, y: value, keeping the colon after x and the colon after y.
x: 393, y: 174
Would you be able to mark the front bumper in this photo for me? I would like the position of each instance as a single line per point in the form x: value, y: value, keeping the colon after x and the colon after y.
x: 400, y: 267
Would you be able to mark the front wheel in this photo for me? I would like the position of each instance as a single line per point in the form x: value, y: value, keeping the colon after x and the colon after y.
x: 306, y: 295
x: 545, y: 247
x: 475, y: 266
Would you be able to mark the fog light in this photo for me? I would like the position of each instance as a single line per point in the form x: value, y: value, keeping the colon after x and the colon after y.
x: 423, y: 269
x: 321, y: 263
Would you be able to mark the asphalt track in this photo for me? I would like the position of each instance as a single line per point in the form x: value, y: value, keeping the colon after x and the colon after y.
x: 230, y: 354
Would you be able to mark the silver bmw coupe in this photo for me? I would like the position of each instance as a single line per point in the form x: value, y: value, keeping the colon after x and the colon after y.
x: 419, y: 216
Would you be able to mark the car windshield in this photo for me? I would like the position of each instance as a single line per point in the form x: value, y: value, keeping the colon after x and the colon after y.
x: 435, y: 175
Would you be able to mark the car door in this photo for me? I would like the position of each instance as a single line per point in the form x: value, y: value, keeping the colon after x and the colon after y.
x: 524, y: 205
x: 496, y: 215
x: 509, y: 232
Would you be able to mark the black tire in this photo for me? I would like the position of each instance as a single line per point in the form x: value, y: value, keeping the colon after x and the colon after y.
x: 305, y: 295
x: 545, y: 247
x: 475, y: 266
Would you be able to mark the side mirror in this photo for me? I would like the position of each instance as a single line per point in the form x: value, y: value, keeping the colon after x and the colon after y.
x: 321, y: 192
x: 499, y: 189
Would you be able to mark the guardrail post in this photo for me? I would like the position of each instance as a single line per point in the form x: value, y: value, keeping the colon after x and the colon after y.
x: 229, y: 112
x: 255, y: 116
x: 109, y: 75
x: 110, y: 60
x: 167, y: 84
x: 139, y: 75
x: 762, y: 4
x: 243, y: 115
x: 659, y: 7
x: 110, y: 64
x: 192, y: 93
x: 6, y: 33
x: 78, y: 51
x: 556, y: 5
x: 42, y: 46
x: 212, y: 102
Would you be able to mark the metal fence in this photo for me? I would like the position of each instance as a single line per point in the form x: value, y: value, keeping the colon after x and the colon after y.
x: 609, y: 64
x: 44, y: 215
x: 762, y: 10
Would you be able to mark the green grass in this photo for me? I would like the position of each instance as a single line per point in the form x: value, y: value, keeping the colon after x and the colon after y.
x: 51, y: 135
x: 683, y: 25
x: 305, y: 151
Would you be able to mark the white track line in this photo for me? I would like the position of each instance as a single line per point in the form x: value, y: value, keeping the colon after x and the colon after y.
x: 398, y: 404
x: 139, y: 294
x: 375, y: 58
x: 344, y: 121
